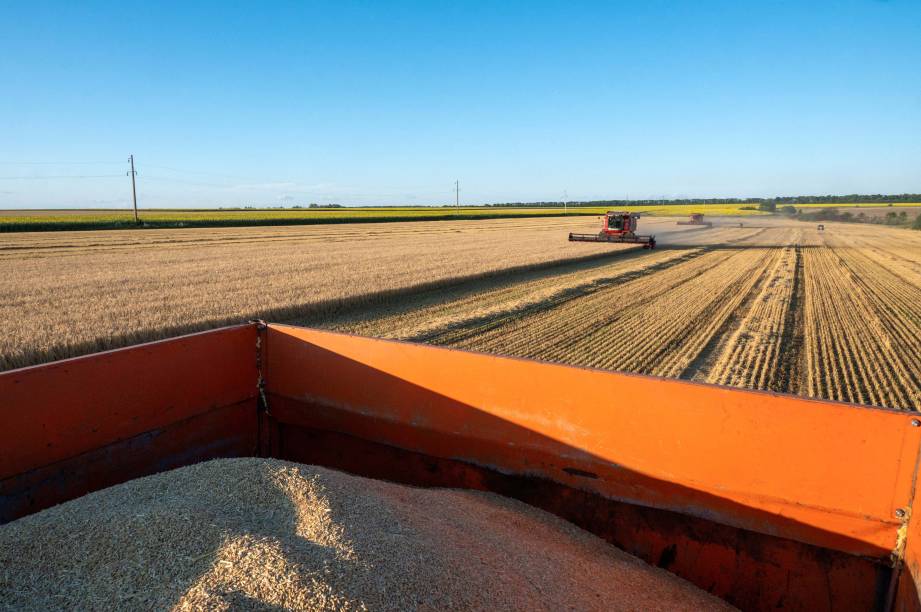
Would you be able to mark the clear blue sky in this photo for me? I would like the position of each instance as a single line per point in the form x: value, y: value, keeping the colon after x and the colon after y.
x: 389, y: 102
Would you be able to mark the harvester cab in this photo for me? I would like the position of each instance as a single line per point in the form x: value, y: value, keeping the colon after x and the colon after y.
x: 618, y: 227
x: 615, y: 222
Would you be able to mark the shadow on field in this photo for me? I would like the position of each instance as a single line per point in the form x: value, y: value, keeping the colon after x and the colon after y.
x: 312, y: 312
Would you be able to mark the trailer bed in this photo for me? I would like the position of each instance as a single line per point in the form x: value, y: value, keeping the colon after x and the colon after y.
x: 745, y: 494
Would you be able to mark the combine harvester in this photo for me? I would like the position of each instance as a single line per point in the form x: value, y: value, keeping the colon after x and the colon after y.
x: 768, y: 501
x: 696, y: 219
x: 618, y: 227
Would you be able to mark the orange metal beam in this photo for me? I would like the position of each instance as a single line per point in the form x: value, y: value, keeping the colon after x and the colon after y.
x: 829, y: 474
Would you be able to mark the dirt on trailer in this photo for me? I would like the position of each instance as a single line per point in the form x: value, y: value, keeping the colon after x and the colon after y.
x: 268, y: 534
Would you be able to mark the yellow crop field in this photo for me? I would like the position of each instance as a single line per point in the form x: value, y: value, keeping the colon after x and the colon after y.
x: 774, y: 304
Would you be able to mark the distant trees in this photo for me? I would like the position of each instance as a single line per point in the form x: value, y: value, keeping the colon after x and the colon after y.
x: 831, y: 213
x: 789, y: 210
x: 768, y: 206
x: 822, y: 199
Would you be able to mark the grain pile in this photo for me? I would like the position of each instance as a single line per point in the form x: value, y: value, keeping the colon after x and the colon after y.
x: 251, y: 533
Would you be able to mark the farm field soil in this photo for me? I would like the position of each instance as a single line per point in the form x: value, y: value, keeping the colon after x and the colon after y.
x: 779, y: 306
x: 70, y: 293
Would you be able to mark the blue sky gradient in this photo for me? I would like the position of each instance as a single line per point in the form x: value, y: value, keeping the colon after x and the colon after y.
x: 228, y: 104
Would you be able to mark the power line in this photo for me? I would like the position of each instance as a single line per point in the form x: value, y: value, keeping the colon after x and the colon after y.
x: 59, y: 176
x: 59, y: 163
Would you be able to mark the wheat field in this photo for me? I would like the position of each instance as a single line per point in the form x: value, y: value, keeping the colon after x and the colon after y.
x: 780, y: 307
x: 773, y: 305
x: 71, y: 293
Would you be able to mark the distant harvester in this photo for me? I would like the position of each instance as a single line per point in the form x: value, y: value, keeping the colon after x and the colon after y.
x: 696, y: 219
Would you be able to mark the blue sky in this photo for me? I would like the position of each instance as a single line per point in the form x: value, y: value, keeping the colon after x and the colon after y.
x: 389, y: 102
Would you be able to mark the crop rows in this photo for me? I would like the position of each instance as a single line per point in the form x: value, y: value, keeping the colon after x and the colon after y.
x: 657, y: 324
x: 752, y: 355
x: 833, y: 315
x: 773, y: 305
x: 863, y: 334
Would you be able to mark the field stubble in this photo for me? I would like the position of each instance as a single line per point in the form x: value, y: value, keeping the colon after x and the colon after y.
x: 780, y: 307
x: 71, y: 293
x: 775, y: 305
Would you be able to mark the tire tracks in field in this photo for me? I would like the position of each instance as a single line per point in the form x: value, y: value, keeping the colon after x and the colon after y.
x: 792, y: 359
x: 725, y: 343
x: 611, y: 329
x: 759, y: 346
x: 466, y: 329
x: 568, y: 319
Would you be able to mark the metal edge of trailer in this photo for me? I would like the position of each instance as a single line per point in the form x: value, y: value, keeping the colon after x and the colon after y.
x: 763, y: 499
x: 76, y: 425
x: 809, y: 476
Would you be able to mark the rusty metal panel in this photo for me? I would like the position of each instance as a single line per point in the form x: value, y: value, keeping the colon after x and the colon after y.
x: 828, y: 474
x: 908, y: 594
x: 60, y: 410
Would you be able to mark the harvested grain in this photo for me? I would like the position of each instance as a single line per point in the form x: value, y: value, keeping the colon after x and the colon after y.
x: 252, y: 533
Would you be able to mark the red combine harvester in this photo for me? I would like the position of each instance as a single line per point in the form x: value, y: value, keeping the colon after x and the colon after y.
x: 618, y: 227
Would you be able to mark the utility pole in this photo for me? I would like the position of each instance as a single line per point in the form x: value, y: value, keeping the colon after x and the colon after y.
x: 457, y: 195
x: 134, y: 193
x: 565, y: 201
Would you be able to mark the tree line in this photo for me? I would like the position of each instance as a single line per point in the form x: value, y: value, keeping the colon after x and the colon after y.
x: 876, y: 198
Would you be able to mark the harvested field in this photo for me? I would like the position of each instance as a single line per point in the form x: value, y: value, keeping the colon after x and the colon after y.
x: 266, y: 534
x: 71, y: 293
x: 779, y: 307
x: 773, y: 305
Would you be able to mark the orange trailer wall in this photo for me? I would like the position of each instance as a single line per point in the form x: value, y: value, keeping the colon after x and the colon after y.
x: 78, y: 425
x: 765, y: 500
x: 804, y: 474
